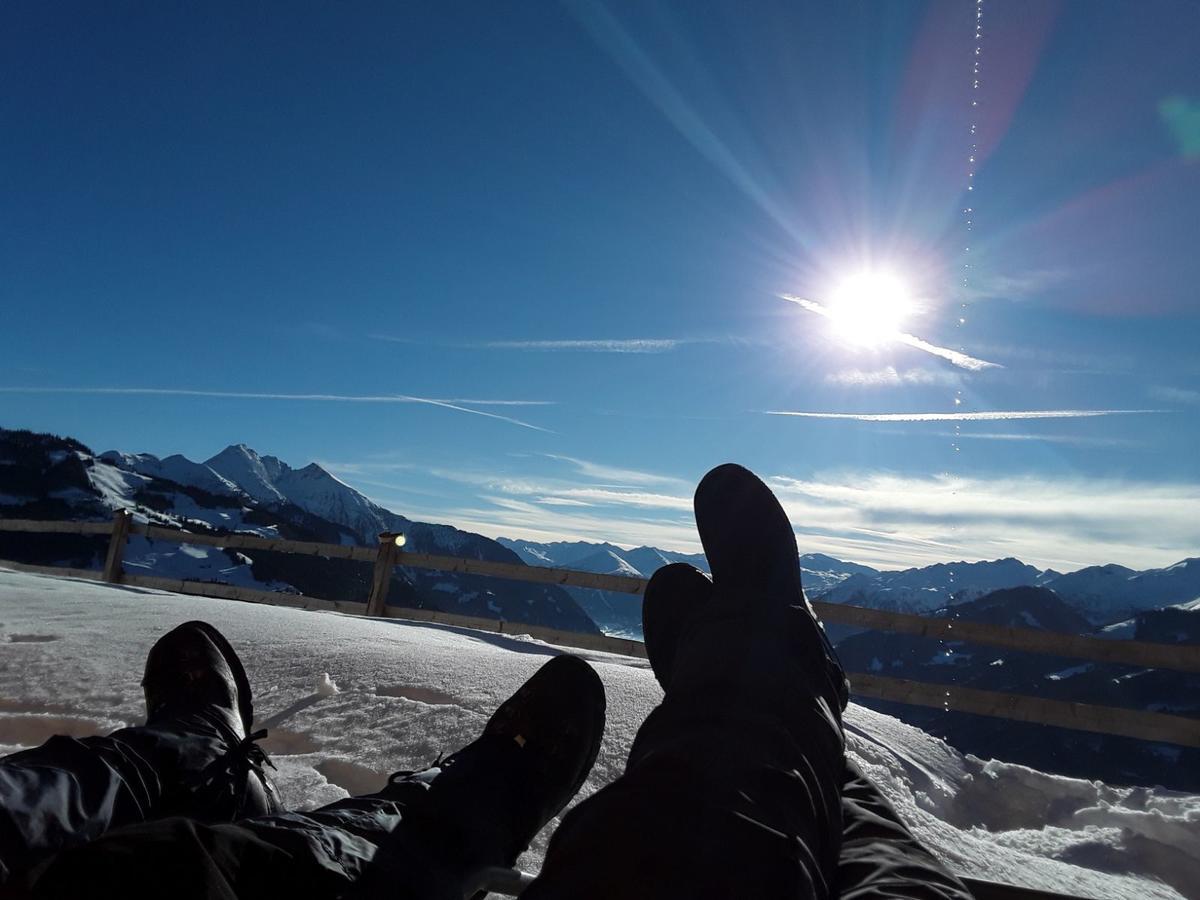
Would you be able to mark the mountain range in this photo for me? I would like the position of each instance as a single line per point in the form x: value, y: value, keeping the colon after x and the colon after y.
x: 1101, y: 595
x: 238, y: 490
x: 241, y: 490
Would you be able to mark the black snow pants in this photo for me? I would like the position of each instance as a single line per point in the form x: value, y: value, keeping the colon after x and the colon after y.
x: 70, y: 791
x: 737, y: 786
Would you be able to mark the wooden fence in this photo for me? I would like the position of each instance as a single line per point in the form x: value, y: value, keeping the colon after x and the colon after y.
x: 1153, y: 726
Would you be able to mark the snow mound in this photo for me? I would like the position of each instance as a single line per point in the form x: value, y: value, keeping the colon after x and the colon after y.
x: 349, y: 700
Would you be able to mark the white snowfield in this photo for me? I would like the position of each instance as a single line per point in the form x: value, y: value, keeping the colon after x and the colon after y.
x: 349, y: 700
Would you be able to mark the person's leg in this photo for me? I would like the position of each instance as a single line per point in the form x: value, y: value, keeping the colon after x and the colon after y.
x: 192, y: 758
x: 880, y: 857
x: 732, y: 785
x: 423, y: 836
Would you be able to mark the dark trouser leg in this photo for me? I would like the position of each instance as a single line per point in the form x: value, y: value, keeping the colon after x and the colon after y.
x: 68, y: 791
x: 880, y: 857
x: 732, y: 788
x: 72, y: 790
x: 319, y: 855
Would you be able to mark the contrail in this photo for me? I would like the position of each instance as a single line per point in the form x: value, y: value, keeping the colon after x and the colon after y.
x: 962, y: 360
x: 251, y: 395
x: 967, y: 416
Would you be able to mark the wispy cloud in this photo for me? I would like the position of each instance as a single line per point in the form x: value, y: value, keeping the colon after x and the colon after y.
x: 1075, y: 440
x: 962, y: 360
x: 880, y: 518
x: 890, y: 521
x: 603, y: 472
x: 1063, y: 522
x: 990, y: 416
x: 890, y: 377
x: 573, y: 345
x: 474, y: 402
x: 1174, y: 395
x: 624, y: 345
x: 1018, y: 285
x: 456, y: 405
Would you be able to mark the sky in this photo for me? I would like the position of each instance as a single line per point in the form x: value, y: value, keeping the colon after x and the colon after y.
x: 531, y: 270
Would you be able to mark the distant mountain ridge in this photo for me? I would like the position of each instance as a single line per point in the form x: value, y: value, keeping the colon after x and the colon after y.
x: 1101, y: 594
x: 239, y: 490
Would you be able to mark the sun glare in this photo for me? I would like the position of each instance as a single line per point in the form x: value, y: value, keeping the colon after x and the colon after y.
x: 869, y: 308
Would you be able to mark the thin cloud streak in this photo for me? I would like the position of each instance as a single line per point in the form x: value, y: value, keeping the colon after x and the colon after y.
x: 1077, y: 440
x: 602, y: 345
x: 1003, y: 415
x: 626, y: 345
x: 254, y: 395
x: 962, y: 360
x: 614, y: 473
x: 890, y: 377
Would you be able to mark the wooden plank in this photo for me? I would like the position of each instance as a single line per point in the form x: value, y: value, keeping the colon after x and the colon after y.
x: 116, y: 545
x: 1135, y: 653
x: 247, y: 595
x: 256, y: 542
x: 38, y: 526
x: 381, y: 577
x: 62, y: 571
x: 1180, y: 657
x: 520, y: 572
x: 573, y: 639
x: 1134, y: 723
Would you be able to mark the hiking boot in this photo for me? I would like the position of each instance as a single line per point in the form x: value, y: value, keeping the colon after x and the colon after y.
x: 756, y: 595
x: 199, y: 712
x: 481, y: 807
x: 673, y: 595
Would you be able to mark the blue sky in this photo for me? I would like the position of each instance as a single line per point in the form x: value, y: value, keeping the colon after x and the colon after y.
x: 228, y: 224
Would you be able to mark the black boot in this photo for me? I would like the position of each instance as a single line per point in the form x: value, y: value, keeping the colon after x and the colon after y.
x: 199, y: 713
x: 482, y: 806
x: 751, y: 551
x: 673, y: 595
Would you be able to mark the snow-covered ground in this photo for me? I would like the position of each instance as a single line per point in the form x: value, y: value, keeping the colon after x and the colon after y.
x: 349, y: 700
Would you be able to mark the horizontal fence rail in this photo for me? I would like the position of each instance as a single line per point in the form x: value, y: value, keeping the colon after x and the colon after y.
x: 1086, y: 717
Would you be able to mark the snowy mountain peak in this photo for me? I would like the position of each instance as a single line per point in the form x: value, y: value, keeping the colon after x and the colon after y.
x: 176, y: 468
x: 245, y: 468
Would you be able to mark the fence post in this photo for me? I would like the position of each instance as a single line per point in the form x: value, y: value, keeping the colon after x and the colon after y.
x: 385, y: 562
x: 116, y: 545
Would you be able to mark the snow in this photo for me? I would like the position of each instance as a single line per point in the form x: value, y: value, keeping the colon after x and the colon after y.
x: 192, y: 562
x: 326, y: 687
x: 349, y: 700
x: 245, y: 468
x: 176, y: 468
x: 1071, y: 672
x: 115, y: 486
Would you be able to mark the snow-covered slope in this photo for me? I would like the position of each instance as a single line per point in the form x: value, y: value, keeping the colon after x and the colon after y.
x: 1111, y: 593
x: 312, y: 489
x: 176, y: 468
x: 932, y: 587
x: 821, y: 572
x: 409, y: 692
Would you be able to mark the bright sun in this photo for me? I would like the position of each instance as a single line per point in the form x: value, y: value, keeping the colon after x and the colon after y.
x: 869, y: 308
